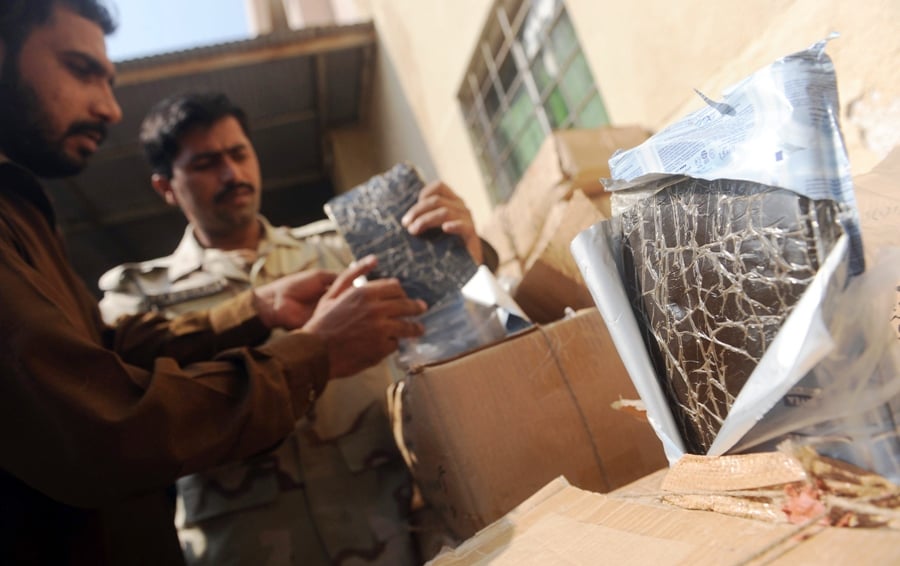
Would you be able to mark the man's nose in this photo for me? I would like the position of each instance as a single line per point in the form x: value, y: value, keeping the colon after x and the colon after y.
x: 106, y: 107
x: 229, y: 169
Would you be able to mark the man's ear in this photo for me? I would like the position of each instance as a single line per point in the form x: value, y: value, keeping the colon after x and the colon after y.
x: 163, y: 187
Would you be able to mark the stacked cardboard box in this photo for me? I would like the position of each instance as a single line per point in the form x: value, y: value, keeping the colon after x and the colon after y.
x: 559, y: 195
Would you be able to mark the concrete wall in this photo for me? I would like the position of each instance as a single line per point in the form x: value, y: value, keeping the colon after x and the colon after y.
x: 424, y: 47
x: 646, y: 56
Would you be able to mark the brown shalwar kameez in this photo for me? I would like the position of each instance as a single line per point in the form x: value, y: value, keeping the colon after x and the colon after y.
x: 96, y: 420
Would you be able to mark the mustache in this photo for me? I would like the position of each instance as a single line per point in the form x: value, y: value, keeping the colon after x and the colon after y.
x: 230, y: 188
x: 97, y: 128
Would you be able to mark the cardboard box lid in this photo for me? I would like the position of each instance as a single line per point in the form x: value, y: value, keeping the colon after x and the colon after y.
x: 565, y: 221
x: 561, y: 524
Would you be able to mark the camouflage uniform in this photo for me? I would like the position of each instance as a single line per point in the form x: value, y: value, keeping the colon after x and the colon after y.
x: 336, y: 491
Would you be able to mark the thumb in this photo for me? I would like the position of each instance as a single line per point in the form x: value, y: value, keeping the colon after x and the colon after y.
x: 346, y: 278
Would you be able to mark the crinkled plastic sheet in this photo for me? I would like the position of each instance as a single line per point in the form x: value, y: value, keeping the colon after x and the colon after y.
x: 712, y: 269
x: 848, y: 406
x: 453, y: 326
x: 829, y: 379
x: 481, y: 313
x: 765, y: 295
x: 779, y: 127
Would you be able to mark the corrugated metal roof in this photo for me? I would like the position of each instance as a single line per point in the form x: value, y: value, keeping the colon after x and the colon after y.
x: 321, y: 39
x: 274, y: 39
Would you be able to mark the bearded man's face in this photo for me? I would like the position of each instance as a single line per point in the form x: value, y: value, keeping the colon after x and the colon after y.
x: 56, y: 96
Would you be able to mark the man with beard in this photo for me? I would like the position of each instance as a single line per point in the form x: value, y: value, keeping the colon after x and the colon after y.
x: 336, y: 490
x: 97, y: 420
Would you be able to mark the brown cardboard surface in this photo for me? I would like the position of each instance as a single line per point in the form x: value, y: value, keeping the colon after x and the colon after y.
x: 508, y: 263
x: 559, y: 195
x: 486, y: 430
x: 584, y: 153
x: 552, y: 280
x: 562, y: 524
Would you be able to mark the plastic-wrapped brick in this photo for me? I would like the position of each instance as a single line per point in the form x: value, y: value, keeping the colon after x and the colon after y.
x: 712, y: 269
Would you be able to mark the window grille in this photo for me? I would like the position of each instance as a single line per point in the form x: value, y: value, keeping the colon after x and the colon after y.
x: 527, y: 77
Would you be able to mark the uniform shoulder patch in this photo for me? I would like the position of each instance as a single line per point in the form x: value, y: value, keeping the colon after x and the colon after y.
x: 118, y: 276
x: 317, y: 228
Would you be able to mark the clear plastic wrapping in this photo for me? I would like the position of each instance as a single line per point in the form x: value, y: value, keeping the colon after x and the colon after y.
x: 731, y: 277
x: 479, y: 314
x: 453, y: 326
x: 712, y: 269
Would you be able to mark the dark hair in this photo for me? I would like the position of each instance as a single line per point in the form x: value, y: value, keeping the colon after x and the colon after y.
x: 172, y: 117
x: 19, y: 17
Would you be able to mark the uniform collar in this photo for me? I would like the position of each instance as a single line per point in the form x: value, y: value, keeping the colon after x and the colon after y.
x: 190, y: 255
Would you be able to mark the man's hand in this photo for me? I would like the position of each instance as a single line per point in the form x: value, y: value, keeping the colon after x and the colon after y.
x: 290, y: 301
x: 439, y: 207
x: 361, y: 325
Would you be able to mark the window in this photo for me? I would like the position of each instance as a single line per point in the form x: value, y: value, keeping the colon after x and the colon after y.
x: 527, y: 77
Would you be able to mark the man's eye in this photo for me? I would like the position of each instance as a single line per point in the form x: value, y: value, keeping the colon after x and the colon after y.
x: 203, y: 164
x: 82, y: 72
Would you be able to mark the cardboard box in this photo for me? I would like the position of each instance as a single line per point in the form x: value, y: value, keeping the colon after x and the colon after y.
x: 483, y: 431
x: 562, y: 524
x: 551, y: 280
x: 878, y: 200
x: 509, y: 266
x: 559, y: 195
x: 567, y: 160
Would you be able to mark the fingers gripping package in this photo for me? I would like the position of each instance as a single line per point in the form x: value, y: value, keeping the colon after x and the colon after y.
x: 731, y: 277
x: 467, y: 308
x: 369, y: 217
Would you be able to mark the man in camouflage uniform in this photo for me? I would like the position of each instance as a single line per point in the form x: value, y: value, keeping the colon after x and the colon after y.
x: 336, y: 491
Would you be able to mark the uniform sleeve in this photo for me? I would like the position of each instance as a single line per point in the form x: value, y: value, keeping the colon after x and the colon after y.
x: 188, y: 338
x: 84, y: 426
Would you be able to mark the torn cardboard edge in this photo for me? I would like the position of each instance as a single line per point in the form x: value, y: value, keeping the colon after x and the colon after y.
x: 729, y: 473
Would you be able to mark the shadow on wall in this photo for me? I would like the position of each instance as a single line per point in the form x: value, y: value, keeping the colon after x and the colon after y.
x: 394, y: 129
